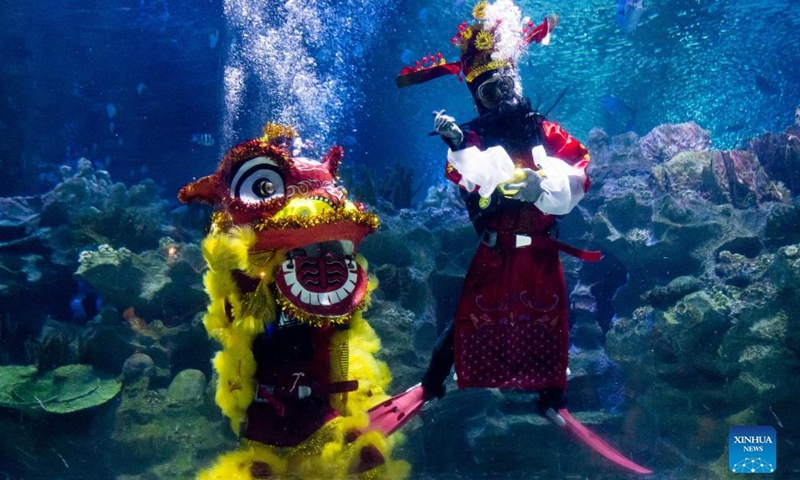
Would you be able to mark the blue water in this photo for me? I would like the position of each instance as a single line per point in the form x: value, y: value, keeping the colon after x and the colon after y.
x: 174, y: 69
x: 161, y: 89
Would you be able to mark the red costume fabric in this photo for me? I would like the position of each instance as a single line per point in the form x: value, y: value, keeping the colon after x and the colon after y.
x: 288, y: 359
x: 512, y: 320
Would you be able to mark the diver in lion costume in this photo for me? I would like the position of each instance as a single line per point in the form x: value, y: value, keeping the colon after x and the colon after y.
x: 297, y: 371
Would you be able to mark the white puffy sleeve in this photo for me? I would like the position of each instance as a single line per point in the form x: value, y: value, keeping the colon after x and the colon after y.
x: 483, y: 170
x: 563, y: 186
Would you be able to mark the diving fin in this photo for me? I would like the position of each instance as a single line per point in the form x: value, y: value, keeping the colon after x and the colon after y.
x: 392, y: 414
x: 563, y: 419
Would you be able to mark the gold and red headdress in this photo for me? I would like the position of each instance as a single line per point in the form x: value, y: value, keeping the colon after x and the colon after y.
x: 494, y: 41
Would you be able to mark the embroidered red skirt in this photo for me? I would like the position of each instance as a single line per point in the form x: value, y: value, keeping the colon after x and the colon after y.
x: 512, y: 324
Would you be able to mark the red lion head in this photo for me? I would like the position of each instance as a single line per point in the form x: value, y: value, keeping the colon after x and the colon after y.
x: 295, y: 206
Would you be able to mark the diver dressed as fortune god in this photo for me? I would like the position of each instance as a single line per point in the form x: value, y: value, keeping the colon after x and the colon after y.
x: 297, y: 372
x: 518, y: 172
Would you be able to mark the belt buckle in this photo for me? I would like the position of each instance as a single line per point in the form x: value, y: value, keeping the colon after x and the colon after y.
x: 522, y: 240
x: 489, y: 238
x: 263, y: 393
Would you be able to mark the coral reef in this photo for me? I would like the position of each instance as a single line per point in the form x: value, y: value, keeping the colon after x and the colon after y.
x: 128, y: 317
x: 618, y: 155
x: 685, y: 328
x: 169, y: 432
x: 66, y: 389
x: 138, y: 366
x: 702, y: 313
x: 42, y: 236
x: 666, y: 141
x: 110, y: 340
x: 780, y: 156
x: 87, y: 208
x: 723, y: 355
x: 160, y: 283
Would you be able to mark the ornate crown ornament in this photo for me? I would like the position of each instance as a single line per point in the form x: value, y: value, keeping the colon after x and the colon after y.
x: 493, y: 41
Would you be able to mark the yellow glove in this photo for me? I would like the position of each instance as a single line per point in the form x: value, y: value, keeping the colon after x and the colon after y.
x: 525, y: 185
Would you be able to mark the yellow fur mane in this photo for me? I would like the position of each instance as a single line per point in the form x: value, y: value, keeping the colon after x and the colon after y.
x: 235, y: 318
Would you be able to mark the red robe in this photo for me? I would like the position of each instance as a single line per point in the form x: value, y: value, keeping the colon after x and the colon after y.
x: 512, y: 320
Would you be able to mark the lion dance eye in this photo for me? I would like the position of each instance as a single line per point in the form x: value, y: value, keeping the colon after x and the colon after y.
x: 257, y: 180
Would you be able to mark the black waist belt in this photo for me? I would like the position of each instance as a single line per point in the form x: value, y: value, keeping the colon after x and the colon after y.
x: 277, y: 395
x: 494, y: 239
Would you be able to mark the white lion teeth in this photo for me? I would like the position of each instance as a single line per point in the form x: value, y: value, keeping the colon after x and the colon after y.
x: 291, y: 280
x: 323, y: 298
x: 349, y: 285
x: 296, y: 288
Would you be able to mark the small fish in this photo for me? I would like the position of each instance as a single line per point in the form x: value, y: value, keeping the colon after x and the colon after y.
x: 137, y: 323
x: 766, y: 85
x: 62, y: 458
x: 614, y: 106
x: 203, y: 139
x: 213, y: 38
x: 111, y: 111
x: 140, y: 88
x: 776, y: 417
x: 423, y: 14
x: 797, y: 116
x: 629, y: 13
x: 620, y: 111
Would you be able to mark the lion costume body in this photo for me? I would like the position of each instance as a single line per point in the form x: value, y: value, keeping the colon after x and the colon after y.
x: 297, y: 370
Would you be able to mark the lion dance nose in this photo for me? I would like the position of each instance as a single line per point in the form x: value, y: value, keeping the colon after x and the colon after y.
x: 307, y: 207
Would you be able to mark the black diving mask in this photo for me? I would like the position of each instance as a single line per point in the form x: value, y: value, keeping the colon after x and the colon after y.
x: 495, y: 90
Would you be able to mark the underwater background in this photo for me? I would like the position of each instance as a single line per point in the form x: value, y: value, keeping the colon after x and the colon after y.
x: 686, y: 328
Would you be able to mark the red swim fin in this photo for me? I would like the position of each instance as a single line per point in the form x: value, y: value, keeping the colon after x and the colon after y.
x: 563, y: 419
x: 395, y: 412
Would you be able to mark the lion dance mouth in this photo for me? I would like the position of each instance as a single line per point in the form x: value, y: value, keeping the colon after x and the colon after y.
x: 327, y: 282
x: 321, y: 279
